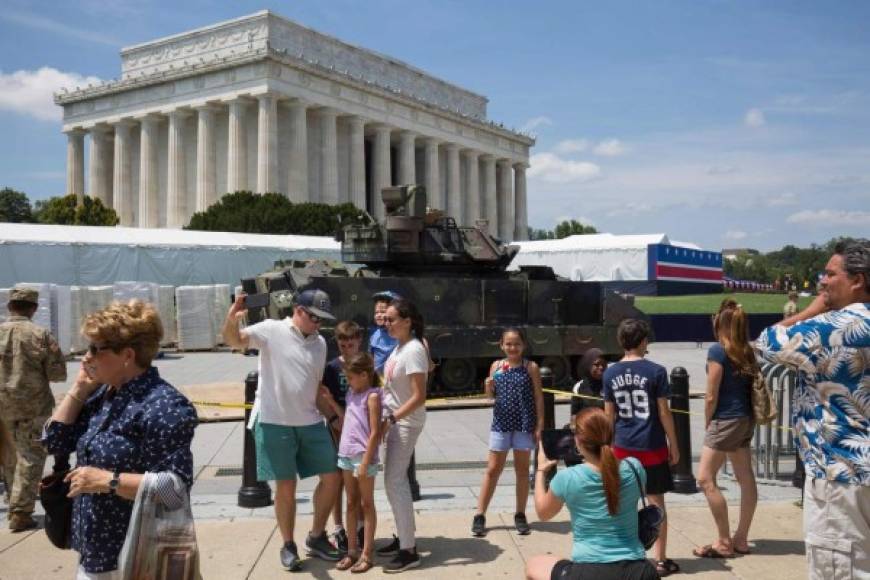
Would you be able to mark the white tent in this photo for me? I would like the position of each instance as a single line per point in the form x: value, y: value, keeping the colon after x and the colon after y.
x: 82, y: 255
x: 593, y: 257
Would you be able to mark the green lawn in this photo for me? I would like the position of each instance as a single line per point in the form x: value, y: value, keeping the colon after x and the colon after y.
x: 709, y: 303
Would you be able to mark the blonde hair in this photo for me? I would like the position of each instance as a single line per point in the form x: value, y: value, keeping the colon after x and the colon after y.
x: 731, y: 327
x: 135, y: 324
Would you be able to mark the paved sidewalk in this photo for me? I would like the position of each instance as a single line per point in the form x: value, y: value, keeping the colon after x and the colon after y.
x: 247, y: 548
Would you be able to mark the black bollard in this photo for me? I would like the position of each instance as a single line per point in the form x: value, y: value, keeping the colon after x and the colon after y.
x: 684, y: 481
x: 412, y: 478
x: 253, y: 493
x: 549, y: 421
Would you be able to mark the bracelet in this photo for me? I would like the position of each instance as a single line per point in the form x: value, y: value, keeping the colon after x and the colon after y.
x: 74, y: 398
x: 542, y: 470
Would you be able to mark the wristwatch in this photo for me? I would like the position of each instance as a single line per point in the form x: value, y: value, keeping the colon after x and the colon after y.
x: 115, y: 482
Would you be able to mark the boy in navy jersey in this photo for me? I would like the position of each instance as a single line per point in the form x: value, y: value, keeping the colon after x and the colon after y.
x: 636, y: 400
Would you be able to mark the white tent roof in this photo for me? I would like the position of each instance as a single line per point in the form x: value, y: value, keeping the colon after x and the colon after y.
x: 158, y: 238
x: 593, y: 242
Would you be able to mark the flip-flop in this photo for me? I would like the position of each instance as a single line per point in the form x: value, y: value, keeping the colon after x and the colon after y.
x: 667, y: 567
x: 347, y: 562
x: 709, y: 551
x: 742, y: 552
x: 362, y: 565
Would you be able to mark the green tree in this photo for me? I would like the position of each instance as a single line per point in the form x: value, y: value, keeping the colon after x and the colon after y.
x: 535, y: 234
x: 573, y: 227
x: 64, y: 210
x: 14, y: 206
x: 272, y: 213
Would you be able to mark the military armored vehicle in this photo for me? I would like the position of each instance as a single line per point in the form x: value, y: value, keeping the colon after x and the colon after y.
x: 458, y: 278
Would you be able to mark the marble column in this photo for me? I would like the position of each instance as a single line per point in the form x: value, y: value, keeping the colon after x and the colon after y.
x: 75, y: 164
x: 433, y: 174
x: 148, y: 208
x: 472, y: 188
x: 206, y: 193
x: 267, y: 144
x: 381, y: 177
x: 489, y: 194
x: 237, y: 147
x: 455, y: 201
x: 122, y: 178
x: 176, y: 204
x: 407, y: 158
x: 298, y: 161
x: 328, y: 156
x: 358, y: 162
x: 100, y: 172
x: 521, y: 211
x: 505, y: 200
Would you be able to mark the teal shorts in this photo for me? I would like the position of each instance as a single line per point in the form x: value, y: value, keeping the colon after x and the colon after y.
x: 352, y: 464
x: 287, y: 452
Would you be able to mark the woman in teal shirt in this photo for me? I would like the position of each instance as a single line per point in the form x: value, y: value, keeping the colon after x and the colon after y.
x: 602, y: 496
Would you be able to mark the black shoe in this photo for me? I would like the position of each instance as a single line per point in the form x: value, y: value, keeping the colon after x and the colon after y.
x: 390, y: 549
x: 478, y: 526
x: 521, y: 524
x: 320, y: 547
x: 340, y: 539
x: 404, y: 560
x: 290, y: 557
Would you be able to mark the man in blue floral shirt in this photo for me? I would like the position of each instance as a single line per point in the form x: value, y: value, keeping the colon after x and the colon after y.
x: 829, y: 346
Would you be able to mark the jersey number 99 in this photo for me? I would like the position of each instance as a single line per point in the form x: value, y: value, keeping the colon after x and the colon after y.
x: 632, y: 404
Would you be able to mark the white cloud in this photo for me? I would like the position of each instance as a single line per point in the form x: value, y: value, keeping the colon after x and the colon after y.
x: 571, y: 146
x: 830, y: 217
x: 535, y: 122
x: 31, y: 92
x: 609, y: 148
x: 754, y: 118
x: 782, y: 199
x: 55, y: 27
x: 550, y: 167
x: 735, y: 235
x: 721, y: 170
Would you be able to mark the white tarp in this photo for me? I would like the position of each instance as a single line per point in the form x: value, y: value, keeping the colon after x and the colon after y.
x: 83, y: 255
x: 195, y: 314
x: 592, y: 257
x: 219, y: 313
x: 166, y: 307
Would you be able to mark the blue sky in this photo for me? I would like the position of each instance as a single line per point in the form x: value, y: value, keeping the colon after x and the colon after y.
x: 724, y: 123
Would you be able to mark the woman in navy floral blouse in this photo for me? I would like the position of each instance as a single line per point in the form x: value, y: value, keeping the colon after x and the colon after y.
x: 122, y: 420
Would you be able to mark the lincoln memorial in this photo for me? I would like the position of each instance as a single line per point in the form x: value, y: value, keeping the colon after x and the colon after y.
x: 262, y: 103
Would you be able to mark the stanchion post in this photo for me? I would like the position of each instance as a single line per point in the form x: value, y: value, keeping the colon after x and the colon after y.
x: 253, y: 493
x: 412, y: 479
x: 549, y: 420
x: 684, y: 481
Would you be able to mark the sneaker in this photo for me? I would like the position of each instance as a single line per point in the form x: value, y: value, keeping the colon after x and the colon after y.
x: 290, y: 557
x: 390, y: 549
x: 340, y: 539
x: 404, y: 560
x: 19, y: 522
x: 321, y: 547
x: 478, y: 526
x: 521, y: 524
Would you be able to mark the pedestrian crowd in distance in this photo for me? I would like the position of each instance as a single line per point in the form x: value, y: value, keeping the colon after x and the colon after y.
x: 346, y: 419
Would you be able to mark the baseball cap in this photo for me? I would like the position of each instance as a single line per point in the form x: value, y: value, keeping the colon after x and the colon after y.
x: 316, y: 302
x: 24, y: 295
x: 386, y: 295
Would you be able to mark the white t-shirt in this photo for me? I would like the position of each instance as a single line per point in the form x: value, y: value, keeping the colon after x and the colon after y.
x: 291, y: 370
x: 405, y: 360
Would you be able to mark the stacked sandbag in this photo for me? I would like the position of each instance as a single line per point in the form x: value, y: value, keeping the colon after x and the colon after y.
x: 195, y: 317
x: 221, y: 305
x: 166, y: 307
x: 126, y: 291
x: 42, y: 317
x: 94, y: 298
x: 76, y: 296
x: 4, y: 300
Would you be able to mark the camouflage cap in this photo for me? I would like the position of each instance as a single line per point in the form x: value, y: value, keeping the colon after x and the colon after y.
x: 24, y: 295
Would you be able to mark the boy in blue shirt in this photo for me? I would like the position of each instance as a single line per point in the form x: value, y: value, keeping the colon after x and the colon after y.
x: 636, y: 395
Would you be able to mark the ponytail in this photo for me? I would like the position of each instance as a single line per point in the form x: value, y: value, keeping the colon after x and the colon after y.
x: 610, y: 478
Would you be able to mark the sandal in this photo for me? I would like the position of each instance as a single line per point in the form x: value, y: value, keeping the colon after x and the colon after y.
x: 347, y: 562
x: 362, y: 565
x: 667, y: 567
x: 709, y: 551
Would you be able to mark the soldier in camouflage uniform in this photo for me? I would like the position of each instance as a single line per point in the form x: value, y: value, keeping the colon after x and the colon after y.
x: 29, y: 359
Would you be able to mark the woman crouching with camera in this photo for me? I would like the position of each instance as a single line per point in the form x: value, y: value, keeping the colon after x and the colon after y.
x: 121, y: 420
x: 602, y: 496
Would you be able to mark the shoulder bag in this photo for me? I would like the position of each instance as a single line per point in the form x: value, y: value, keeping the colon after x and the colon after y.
x: 53, y: 492
x: 763, y: 405
x: 649, y: 518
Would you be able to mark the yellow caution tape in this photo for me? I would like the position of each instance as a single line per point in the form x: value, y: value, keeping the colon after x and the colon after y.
x: 224, y: 405
x: 591, y: 397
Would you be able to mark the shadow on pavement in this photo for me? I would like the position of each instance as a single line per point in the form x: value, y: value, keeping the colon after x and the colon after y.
x: 778, y: 547
x: 552, y: 527
x: 440, y: 551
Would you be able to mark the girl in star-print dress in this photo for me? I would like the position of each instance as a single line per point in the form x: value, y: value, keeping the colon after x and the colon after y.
x: 517, y: 421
